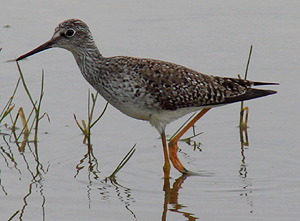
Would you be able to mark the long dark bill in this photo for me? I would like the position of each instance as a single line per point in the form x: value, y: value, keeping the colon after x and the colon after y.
x: 40, y: 48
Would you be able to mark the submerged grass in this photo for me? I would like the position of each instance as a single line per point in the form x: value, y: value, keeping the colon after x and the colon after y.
x: 122, y: 163
x: 86, y: 127
x: 244, y: 111
x: 243, y: 123
x: 28, y: 124
x: 9, y: 106
x: 36, y: 170
x: 36, y: 109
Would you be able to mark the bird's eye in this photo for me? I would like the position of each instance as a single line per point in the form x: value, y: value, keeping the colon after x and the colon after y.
x: 70, y: 32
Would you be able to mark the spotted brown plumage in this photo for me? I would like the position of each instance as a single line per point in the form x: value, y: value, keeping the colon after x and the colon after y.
x: 147, y: 89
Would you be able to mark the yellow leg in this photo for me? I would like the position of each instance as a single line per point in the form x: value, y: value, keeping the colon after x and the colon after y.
x: 173, y: 147
x: 167, y: 166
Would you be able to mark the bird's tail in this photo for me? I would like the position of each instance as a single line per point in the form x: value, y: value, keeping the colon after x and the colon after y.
x: 258, y: 83
x: 252, y: 93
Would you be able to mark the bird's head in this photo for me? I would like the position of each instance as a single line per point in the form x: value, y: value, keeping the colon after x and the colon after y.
x: 73, y: 35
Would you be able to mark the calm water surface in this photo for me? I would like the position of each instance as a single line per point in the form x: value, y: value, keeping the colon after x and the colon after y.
x: 60, y: 179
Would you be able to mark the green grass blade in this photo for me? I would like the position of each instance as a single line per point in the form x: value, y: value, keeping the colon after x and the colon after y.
x: 25, y: 86
x: 104, y: 109
x: 248, y: 62
x: 123, y: 161
x: 179, y: 129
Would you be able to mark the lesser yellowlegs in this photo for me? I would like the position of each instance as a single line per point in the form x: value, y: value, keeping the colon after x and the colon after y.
x: 147, y: 89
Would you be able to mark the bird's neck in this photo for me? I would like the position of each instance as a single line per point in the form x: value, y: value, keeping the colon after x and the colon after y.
x: 88, y: 62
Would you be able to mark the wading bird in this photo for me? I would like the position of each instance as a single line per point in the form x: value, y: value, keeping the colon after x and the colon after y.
x: 147, y: 89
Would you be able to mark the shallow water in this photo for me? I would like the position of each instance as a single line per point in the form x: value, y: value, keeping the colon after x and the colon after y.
x: 60, y: 180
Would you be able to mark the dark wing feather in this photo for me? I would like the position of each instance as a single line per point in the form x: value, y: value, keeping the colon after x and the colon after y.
x: 251, y: 93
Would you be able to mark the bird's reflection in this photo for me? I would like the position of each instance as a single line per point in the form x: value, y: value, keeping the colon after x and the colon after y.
x: 171, y: 198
